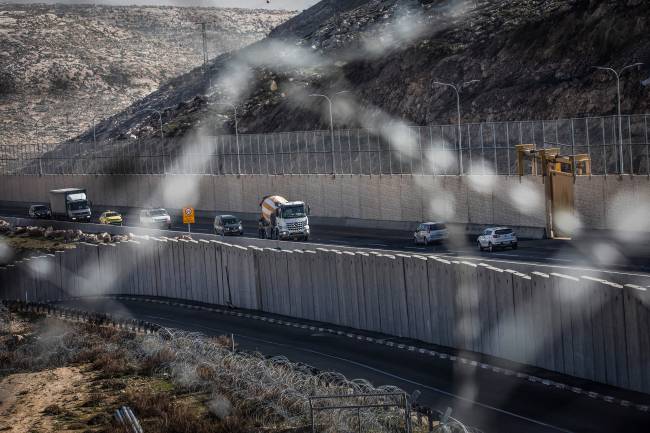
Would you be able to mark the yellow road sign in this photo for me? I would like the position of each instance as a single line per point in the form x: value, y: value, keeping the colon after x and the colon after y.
x: 188, y: 215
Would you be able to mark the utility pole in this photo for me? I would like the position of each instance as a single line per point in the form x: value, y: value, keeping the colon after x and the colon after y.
x: 204, y: 38
x: 205, y: 47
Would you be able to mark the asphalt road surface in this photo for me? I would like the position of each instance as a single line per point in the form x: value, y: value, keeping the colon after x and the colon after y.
x: 481, y: 398
x: 615, y: 259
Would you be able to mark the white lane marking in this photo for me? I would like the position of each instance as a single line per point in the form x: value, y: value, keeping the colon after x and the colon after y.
x: 576, y: 268
x: 530, y: 257
x: 377, y: 370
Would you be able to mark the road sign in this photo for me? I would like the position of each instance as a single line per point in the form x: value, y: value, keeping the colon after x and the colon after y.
x: 188, y: 215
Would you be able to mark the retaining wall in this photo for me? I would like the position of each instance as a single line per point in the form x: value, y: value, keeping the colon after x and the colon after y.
x: 391, y: 201
x: 584, y: 327
x: 351, y: 200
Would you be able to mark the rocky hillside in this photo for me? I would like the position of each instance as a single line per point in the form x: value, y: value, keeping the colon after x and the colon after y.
x: 63, y: 66
x: 533, y: 58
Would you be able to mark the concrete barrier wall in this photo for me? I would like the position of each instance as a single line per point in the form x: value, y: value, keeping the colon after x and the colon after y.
x: 365, y: 200
x: 602, y: 202
x: 584, y: 327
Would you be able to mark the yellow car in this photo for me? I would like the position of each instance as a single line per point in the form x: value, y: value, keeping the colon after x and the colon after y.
x: 111, y: 217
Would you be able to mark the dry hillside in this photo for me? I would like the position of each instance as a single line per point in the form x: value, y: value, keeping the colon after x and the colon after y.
x: 533, y: 60
x: 63, y: 66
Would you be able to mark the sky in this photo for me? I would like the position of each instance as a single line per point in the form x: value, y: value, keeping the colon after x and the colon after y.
x: 271, y: 4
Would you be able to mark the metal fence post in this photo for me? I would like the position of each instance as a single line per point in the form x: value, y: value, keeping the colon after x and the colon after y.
x: 379, y: 151
x: 494, y: 145
x: 573, y: 146
x: 349, y: 149
x: 469, y: 148
x: 630, y: 145
x: 421, y: 153
x: 587, y: 136
x: 359, y: 148
x: 508, y: 147
x: 647, y: 146
x: 602, y: 127
x: 281, y: 154
x: 324, y: 153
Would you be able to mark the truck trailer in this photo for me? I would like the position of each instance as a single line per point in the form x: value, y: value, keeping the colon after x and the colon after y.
x: 284, y: 220
x: 70, y: 204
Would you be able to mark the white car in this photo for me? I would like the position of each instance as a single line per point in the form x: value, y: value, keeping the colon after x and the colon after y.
x: 155, y: 218
x: 497, y: 237
x: 428, y: 233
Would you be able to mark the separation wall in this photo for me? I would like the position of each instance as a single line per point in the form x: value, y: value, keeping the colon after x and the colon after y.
x: 380, y: 201
x: 584, y: 327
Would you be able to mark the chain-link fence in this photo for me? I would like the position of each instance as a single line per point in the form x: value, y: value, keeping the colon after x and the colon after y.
x: 487, y: 148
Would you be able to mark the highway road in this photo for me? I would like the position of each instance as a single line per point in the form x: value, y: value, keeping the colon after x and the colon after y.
x: 480, y: 397
x: 618, y: 260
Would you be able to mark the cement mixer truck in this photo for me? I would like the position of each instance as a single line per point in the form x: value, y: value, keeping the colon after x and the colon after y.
x: 283, y: 220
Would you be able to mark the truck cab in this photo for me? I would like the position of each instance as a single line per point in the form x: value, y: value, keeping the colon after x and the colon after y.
x: 71, y: 204
x: 284, y: 220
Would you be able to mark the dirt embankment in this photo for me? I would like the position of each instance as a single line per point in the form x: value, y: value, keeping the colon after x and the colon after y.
x: 64, y: 376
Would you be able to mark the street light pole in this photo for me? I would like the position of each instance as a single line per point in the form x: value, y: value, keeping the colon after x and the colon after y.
x: 460, y: 136
x: 162, y: 143
x: 40, y: 148
x: 617, y: 74
x: 234, y: 107
x: 329, y: 101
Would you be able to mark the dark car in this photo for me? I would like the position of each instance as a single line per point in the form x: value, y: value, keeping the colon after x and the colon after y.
x: 39, y: 211
x: 228, y: 225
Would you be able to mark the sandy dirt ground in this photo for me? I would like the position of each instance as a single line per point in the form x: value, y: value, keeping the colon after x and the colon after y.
x: 30, y: 402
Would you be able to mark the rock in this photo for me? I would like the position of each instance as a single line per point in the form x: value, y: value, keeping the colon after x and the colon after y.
x: 5, y: 227
x: 104, y: 238
x: 35, y: 232
x: 119, y: 238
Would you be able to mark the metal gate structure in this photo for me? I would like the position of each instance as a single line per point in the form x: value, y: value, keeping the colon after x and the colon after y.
x: 560, y: 198
x: 393, y: 407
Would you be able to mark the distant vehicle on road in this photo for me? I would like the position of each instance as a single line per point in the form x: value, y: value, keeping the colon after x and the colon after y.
x: 155, y: 218
x: 228, y: 225
x: 39, y: 211
x: 110, y: 217
x: 283, y: 219
x: 428, y: 233
x: 497, y: 237
x: 71, y: 204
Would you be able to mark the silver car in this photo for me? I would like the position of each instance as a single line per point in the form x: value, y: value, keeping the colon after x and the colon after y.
x: 497, y: 237
x: 428, y: 233
x: 155, y: 218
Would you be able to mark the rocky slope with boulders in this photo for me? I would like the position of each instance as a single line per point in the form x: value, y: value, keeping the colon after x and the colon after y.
x: 533, y: 60
x: 63, y: 67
